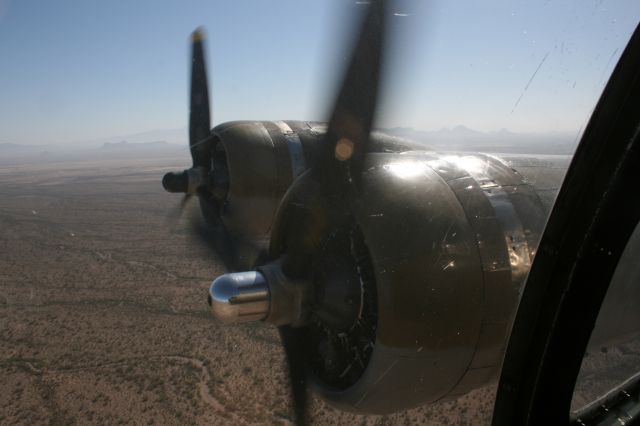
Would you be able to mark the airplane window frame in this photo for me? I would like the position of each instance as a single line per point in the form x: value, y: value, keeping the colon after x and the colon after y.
x: 594, y: 216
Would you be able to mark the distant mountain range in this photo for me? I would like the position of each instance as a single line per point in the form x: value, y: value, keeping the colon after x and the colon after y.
x: 7, y: 147
x: 135, y: 146
x: 168, y: 136
x: 12, y: 153
x: 459, y: 138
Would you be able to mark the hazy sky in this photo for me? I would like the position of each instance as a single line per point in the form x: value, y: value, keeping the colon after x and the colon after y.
x: 80, y: 70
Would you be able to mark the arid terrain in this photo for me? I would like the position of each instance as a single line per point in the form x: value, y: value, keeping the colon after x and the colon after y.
x: 103, y: 314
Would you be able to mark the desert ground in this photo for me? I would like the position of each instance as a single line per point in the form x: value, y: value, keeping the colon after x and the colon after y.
x: 103, y: 313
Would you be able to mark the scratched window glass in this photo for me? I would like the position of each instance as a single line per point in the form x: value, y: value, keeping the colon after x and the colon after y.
x: 279, y: 212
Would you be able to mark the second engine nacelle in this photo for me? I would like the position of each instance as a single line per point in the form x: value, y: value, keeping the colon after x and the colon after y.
x: 252, y: 164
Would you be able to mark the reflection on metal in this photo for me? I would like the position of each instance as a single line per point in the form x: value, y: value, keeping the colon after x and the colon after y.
x: 406, y: 169
x: 239, y: 297
x: 296, y: 153
x: 497, y: 202
x: 344, y: 149
x: 485, y: 171
x: 471, y: 164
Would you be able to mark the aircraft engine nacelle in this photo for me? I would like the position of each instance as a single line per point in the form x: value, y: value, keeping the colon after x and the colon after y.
x: 407, y: 298
x: 253, y: 163
x: 258, y: 161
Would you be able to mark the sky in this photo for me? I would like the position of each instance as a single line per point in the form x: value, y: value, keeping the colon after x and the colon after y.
x: 80, y: 70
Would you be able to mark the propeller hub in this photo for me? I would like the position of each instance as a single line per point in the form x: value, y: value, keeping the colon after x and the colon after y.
x: 267, y: 294
x: 186, y: 182
x: 176, y: 182
x: 239, y: 297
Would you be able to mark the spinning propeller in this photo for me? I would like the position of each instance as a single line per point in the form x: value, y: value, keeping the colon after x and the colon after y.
x: 340, y: 162
x: 333, y: 178
x: 272, y: 293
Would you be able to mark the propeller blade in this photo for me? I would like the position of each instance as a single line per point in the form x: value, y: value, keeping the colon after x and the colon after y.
x: 340, y: 161
x: 293, y: 341
x: 353, y: 112
x: 199, y: 115
x: 176, y: 213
